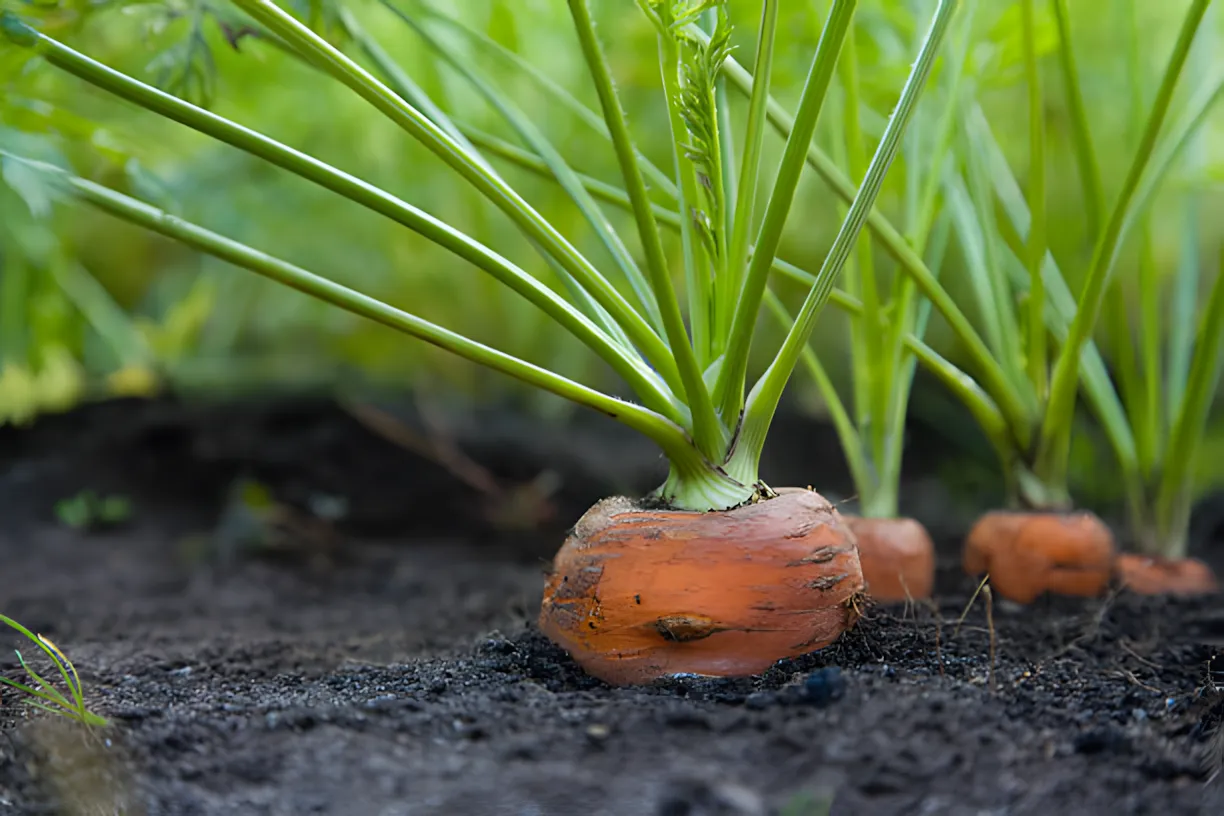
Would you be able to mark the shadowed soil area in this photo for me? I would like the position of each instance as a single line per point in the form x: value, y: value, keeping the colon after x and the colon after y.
x: 389, y: 663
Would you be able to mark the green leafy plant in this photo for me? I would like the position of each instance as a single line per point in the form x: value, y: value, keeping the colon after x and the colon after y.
x: 886, y: 317
x: 1034, y: 352
x: 690, y: 380
x: 42, y: 694
x: 1168, y: 365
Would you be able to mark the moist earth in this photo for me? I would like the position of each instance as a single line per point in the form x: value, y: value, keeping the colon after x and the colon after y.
x: 387, y: 662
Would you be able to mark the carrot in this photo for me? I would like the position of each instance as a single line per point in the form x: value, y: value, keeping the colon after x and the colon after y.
x: 637, y: 594
x: 1153, y: 575
x: 897, y: 555
x: 1027, y: 554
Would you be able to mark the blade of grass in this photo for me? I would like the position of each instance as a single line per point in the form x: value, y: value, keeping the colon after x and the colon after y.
x: 1081, y: 136
x: 708, y: 432
x: 750, y: 169
x: 53, y: 696
x: 1035, y: 351
x: 765, y: 395
x: 321, y: 53
x: 1175, y: 492
x: 729, y: 391
x: 62, y: 660
x: 1055, y: 439
x: 669, y: 436
x: 655, y: 394
x: 51, y: 692
x: 12, y: 624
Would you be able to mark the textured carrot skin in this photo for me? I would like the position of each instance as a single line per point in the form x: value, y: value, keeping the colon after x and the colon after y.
x: 1150, y: 575
x: 897, y: 556
x: 640, y: 594
x: 1028, y: 554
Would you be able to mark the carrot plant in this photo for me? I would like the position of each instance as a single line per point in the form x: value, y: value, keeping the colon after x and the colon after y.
x: 1030, y: 350
x: 1167, y: 365
x: 886, y: 316
x: 683, y: 352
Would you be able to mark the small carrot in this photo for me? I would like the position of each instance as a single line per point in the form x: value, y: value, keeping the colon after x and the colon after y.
x: 1152, y: 575
x: 897, y: 555
x: 637, y: 594
x: 1027, y: 554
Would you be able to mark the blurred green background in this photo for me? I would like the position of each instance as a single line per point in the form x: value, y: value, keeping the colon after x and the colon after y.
x: 90, y: 307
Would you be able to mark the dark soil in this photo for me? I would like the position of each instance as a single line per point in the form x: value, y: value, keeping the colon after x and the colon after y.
x: 390, y: 665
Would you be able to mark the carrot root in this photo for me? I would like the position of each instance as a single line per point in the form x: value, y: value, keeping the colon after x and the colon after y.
x: 638, y: 594
x: 1151, y: 575
x: 897, y: 555
x: 1028, y: 554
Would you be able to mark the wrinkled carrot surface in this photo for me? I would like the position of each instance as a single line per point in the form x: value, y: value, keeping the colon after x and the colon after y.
x: 639, y: 594
x: 1028, y: 554
x: 1150, y: 575
x: 897, y: 556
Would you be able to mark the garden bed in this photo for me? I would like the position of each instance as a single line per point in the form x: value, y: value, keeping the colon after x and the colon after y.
x: 395, y: 667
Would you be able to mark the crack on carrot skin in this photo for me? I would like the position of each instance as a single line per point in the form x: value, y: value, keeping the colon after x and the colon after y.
x: 686, y: 628
x: 827, y: 582
x: 821, y: 555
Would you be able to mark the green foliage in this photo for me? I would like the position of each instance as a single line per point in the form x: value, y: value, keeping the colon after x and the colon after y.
x: 88, y: 309
x: 89, y: 511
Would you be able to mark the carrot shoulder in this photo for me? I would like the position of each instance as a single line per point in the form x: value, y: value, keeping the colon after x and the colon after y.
x: 897, y: 555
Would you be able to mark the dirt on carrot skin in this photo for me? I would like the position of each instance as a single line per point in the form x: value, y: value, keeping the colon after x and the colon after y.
x: 406, y: 675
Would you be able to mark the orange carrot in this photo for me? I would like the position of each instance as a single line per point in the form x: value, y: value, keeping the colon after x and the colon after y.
x: 1027, y: 554
x: 1152, y: 575
x: 897, y: 555
x: 637, y: 594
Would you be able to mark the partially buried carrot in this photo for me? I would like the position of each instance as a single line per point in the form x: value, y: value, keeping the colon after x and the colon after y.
x: 1028, y: 554
x: 897, y: 555
x: 637, y: 594
x: 1152, y: 575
